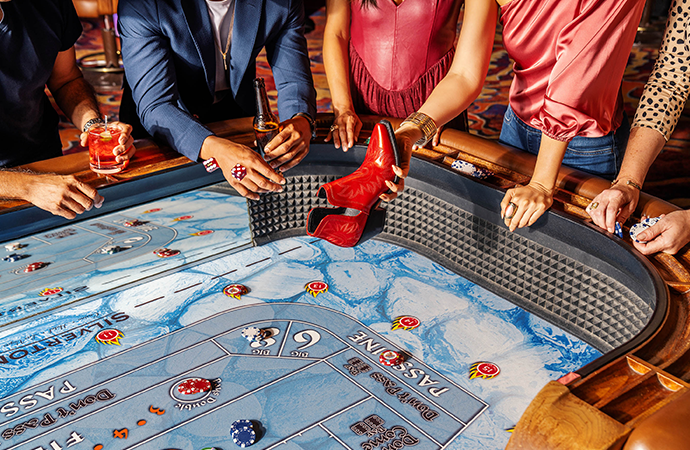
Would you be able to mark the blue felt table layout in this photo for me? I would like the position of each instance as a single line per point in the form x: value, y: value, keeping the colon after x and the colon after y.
x: 314, y: 382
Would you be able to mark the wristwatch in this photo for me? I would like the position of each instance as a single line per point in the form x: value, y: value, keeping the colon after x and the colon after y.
x: 312, y: 123
x: 91, y: 123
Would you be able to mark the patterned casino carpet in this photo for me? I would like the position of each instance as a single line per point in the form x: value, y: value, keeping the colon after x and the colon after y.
x: 669, y: 177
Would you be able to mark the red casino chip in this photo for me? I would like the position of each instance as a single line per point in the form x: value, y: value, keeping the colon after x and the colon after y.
x: 192, y: 386
x: 407, y: 323
x: 35, y: 266
x: 390, y: 358
x: 177, y: 219
x: 148, y: 211
x: 235, y: 290
x: 316, y: 287
x: 165, y: 252
x: 110, y: 336
x: 486, y: 370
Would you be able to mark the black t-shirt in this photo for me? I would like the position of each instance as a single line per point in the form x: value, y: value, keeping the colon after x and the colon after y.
x: 31, y: 35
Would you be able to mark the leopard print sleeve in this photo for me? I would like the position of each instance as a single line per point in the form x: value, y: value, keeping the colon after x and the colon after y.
x: 667, y: 89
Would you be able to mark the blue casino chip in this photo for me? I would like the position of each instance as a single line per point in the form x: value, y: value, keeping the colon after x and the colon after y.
x: 244, y: 438
x: 619, y: 230
x: 241, y: 424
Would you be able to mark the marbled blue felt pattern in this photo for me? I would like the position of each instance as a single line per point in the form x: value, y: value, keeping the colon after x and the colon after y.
x: 461, y: 323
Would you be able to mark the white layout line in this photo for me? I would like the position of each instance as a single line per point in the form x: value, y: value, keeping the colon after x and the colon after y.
x: 287, y: 332
x: 41, y: 240
x: 133, y: 395
x: 330, y: 434
x: 105, y: 382
x: 230, y: 402
x: 325, y: 419
x: 347, y: 344
x: 369, y: 358
x: 123, y: 399
x: 391, y: 408
x: 466, y: 427
x: 221, y: 347
x: 183, y: 329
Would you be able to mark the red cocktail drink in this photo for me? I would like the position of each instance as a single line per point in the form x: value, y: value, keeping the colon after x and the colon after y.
x: 101, y: 145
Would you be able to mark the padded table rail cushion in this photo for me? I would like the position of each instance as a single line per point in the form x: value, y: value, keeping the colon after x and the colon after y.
x: 560, y: 269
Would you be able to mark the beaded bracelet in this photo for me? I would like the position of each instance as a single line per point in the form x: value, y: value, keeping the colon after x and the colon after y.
x: 628, y: 183
x: 425, y: 123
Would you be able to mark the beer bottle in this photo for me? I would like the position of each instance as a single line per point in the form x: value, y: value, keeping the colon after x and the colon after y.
x: 265, y: 122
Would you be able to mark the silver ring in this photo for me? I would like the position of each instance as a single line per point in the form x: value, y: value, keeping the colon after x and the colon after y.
x: 513, y: 210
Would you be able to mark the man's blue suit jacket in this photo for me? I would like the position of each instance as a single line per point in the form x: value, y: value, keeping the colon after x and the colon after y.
x: 168, y: 51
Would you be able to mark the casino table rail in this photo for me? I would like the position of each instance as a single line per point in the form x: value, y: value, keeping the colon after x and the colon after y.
x: 647, y: 365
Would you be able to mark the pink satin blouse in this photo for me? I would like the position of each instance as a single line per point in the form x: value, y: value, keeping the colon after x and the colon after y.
x: 569, y: 62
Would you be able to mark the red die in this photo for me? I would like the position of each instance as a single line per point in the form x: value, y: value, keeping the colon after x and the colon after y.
x: 238, y: 172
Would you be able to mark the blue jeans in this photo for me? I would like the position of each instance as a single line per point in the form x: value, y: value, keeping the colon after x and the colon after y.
x: 596, y: 155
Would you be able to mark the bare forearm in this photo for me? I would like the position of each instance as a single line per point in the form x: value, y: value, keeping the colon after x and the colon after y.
x: 450, y: 97
x: 77, y: 100
x: 14, y: 184
x: 549, y: 161
x: 643, y: 147
x: 336, y: 39
x: 337, y: 64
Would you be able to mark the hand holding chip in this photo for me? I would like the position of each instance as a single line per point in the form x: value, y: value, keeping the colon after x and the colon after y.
x: 612, y: 205
x: 668, y: 235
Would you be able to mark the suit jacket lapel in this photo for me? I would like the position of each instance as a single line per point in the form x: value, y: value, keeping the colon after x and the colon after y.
x: 247, y: 17
x: 201, y: 31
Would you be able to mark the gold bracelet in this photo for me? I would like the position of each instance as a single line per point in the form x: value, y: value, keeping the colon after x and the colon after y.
x: 426, y: 125
x: 628, y: 183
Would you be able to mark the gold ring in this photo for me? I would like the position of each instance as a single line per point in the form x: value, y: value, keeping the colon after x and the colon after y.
x: 334, y: 127
x: 592, y: 206
x: 512, y: 211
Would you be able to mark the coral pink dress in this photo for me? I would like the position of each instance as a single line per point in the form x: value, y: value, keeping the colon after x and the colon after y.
x: 399, y: 53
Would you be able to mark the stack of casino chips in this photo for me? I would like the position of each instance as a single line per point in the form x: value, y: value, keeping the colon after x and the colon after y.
x: 471, y: 169
x: 253, y: 334
x: 390, y: 358
x: 243, y: 433
x: 640, y: 227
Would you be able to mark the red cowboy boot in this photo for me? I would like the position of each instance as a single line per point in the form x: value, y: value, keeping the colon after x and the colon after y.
x: 356, y: 196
